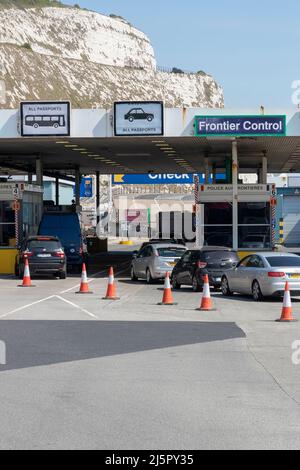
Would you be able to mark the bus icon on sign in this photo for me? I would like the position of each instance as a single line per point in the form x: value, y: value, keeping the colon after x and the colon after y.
x: 37, y: 121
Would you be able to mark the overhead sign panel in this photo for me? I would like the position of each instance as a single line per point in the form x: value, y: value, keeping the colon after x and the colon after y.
x: 45, y: 118
x: 138, y: 118
x: 164, y: 178
x: 86, y: 187
x: 236, y: 126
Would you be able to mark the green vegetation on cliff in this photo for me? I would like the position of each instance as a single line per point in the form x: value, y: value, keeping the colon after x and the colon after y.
x: 30, y: 3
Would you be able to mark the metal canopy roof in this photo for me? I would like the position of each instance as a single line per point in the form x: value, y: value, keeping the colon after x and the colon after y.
x: 111, y: 155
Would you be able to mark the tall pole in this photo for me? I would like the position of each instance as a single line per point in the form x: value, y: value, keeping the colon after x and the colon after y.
x: 56, y: 190
x: 98, y: 196
x: 235, y: 195
x: 77, y: 187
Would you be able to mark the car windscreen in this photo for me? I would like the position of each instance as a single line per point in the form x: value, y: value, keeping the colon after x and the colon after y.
x: 220, y: 255
x: 170, y: 252
x: 42, y: 245
x: 254, y: 239
x: 66, y: 227
x: 281, y: 261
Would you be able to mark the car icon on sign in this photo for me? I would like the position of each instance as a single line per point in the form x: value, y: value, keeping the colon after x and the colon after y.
x: 138, y: 113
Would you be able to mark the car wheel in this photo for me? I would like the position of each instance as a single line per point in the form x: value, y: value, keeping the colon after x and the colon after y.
x: 196, y: 286
x: 149, y: 278
x: 225, y: 287
x: 174, y: 283
x: 256, y: 292
x: 149, y: 118
x: 35, y: 126
x: 130, y: 119
x: 62, y: 275
x: 132, y: 274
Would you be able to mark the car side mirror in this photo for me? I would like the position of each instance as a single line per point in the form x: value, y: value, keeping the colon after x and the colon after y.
x: 134, y: 254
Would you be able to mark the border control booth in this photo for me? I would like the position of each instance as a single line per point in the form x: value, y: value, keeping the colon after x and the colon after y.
x: 244, y: 223
x: 21, y: 207
x: 240, y: 216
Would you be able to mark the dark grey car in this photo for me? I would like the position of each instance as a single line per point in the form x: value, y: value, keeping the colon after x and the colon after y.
x: 209, y: 260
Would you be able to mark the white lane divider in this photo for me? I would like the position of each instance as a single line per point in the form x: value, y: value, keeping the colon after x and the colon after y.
x: 26, y: 306
x: 76, y: 306
x: 19, y: 309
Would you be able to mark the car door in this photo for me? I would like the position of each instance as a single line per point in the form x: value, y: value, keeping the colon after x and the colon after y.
x: 138, y: 262
x: 254, y: 270
x: 145, y: 260
x: 183, y: 275
x: 194, y: 258
x: 237, y: 277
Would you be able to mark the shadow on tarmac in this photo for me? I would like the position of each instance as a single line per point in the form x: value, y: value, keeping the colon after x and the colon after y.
x: 31, y: 343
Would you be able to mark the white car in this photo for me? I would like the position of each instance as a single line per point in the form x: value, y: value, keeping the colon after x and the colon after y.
x: 263, y: 274
x: 154, y: 260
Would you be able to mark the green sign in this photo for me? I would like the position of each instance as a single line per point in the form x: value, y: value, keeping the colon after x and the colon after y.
x: 239, y: 126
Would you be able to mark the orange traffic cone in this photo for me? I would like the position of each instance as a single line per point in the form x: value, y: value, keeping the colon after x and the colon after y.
x: 168, y: 296
x: 286, y: 313
x: 206, y: 303
x: 26, y: 277
x: 111, y: 293
x: 84, y: 286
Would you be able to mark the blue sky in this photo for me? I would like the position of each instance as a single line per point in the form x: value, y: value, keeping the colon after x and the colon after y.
x: 250, y: 48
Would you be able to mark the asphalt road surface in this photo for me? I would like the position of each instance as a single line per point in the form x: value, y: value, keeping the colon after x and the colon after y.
x: 85, y: 373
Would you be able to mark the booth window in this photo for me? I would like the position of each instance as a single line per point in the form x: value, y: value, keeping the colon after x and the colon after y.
x: 218, y: 224
x: 7, y: 224
x: 254, y: 220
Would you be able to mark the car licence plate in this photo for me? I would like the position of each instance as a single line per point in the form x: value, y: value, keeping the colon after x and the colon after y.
x: 44, y: 255
x: 172, y: 263
x: 294, y: 276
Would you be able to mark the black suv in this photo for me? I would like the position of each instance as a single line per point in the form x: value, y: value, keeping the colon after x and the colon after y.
x: 213, y: 261
x: 45, y: 256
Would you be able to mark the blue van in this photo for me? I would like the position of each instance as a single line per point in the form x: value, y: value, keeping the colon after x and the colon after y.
x: 66, y: 226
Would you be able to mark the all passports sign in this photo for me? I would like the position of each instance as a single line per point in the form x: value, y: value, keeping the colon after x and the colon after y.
x: 236, y: 126
x: 45, y: 118
x: 138, y: 118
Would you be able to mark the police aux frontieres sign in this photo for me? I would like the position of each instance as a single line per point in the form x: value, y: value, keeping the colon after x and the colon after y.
x: 240, y: 126
x: 45, y: 118
x: 138, y: 118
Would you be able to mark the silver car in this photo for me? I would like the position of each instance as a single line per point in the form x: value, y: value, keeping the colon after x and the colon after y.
x: 263, y: 274
x: 153, y: 261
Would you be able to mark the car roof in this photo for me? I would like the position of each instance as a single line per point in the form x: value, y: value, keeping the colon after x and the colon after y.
x: 167, y: 245
x: 213, y: 248
x: 274, y: 253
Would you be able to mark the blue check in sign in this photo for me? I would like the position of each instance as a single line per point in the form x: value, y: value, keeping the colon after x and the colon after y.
x: 240, y: 126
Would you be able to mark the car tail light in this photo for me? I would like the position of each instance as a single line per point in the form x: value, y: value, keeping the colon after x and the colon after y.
x: 275, y: 274
x: 59, y: 254
x: 27, y: 254
x: 201, y: 264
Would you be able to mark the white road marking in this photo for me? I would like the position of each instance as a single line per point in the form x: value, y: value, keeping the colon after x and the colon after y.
x: 77, y: 306
x: 61, y: 298
x: 27, y: 306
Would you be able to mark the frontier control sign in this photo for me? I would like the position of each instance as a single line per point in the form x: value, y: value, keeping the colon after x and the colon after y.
x: 236, y: 126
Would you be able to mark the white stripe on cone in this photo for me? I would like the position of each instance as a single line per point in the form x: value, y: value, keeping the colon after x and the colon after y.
x: 167, y: 283
x: 287, y: 299
x: 84, y: 277
x: 26, y: 271
x: 206, y: 291
x: 110, y: 279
